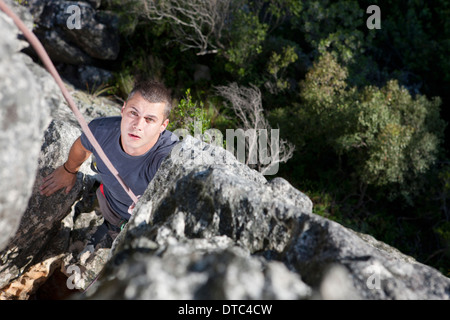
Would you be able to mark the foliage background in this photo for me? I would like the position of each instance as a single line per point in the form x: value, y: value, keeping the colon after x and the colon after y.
x: 367, y: 109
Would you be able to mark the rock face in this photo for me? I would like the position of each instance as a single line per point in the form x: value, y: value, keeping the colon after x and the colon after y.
x: 207, y: 227
x: 40, y: 221
x: 24, y: 115
x: 38, y: 130
x: 77, y: 34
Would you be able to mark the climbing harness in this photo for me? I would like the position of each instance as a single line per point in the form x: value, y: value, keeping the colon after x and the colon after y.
x: 34, y: 41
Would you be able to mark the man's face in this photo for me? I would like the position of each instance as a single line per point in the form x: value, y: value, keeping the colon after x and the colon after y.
x: 142, y: 122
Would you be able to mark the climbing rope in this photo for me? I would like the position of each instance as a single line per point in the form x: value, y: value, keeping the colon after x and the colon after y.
x: 36, y: 44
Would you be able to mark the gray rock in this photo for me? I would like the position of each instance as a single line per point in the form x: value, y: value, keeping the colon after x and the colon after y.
x: 247, y: 226
x: 23, y: 119
x: 376, y: 270
x: 32, y: 146
x: 43, y: 215
x: 81, y: 262
x: 60, y: 49
x: 202, y: 231
x: 92, y: 78
x: 40, y: 221
x: 96, y: 36
x: 202, y: 269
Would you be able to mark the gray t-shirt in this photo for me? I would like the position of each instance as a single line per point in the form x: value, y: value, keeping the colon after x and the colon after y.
x: 136, y: 171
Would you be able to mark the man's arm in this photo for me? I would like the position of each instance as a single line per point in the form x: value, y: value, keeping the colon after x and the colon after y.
x: 61, y: 177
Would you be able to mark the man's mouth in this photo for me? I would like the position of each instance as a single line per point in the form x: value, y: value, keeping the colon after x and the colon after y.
x: 133, y: 136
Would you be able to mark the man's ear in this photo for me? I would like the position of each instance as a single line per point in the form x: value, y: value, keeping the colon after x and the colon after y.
x: 123, y: 108
x: 164, y: 125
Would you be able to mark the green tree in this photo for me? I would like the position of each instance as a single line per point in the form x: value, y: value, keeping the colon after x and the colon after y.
x: 244, y: 41
x: 382, y: 137
x: 334, y: 26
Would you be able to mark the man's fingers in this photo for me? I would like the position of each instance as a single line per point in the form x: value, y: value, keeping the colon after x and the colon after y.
x: 131, y: 208
x: 50, y: 186
x: 48, y: 189
x: 47, y: 177
x: 67, y: 190
x: 55, y: 181
x: 44, y: 187
x: 46, y: 181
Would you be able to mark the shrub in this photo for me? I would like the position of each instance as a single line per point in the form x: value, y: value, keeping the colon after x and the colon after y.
x: 383, y: 137
x: 189, y: 114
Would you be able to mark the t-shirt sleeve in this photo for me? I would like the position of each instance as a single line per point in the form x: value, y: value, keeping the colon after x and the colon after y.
x: 164, y: 150
x: 161, y: 158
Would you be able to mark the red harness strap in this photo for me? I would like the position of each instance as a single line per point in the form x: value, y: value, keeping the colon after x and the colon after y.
x: 34, y: 41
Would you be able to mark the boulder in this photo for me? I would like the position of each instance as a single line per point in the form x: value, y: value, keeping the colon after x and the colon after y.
x: 24, y: 115
x: 45, y: 239
x: 66, y: 31
x: 79, y: 37
x: 372, y: 269
x: 209, y: 227
x: 38, y: 129
x: 43, y: 215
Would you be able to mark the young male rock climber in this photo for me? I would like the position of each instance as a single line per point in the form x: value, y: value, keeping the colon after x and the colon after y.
x: 136, y: 143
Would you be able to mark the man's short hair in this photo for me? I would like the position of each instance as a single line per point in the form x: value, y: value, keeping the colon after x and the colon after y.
x: 154, y: 92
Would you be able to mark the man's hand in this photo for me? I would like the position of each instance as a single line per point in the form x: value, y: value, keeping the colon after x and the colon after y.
x: 131, y: 208
x: 57, y: 180
x: 61, y: 178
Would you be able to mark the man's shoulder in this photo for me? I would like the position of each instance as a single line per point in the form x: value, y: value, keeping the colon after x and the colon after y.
x: 106, y: 125
x: 165, y: 144
x: 168, y: 139
x: 106, y: 121
x: 103, y: 128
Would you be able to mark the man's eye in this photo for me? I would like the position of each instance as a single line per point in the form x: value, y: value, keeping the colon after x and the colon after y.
x: 133, y: 113
x: 149, y: 120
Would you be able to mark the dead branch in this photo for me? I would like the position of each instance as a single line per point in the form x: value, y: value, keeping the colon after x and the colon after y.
x: 247, y: 105
x: 197, y: 24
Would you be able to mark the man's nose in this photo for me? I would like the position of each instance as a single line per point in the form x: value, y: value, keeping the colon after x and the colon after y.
x: 138, y: 124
